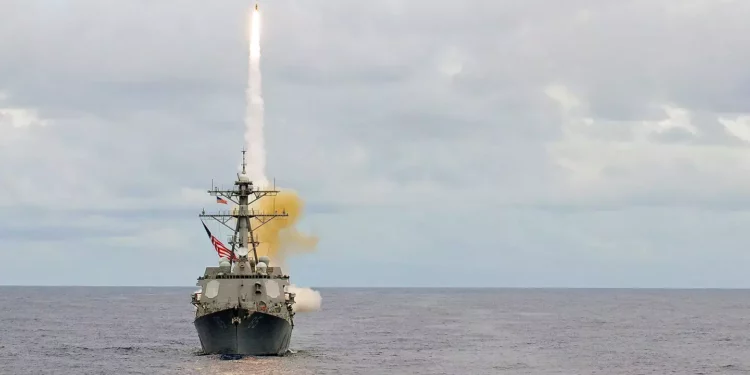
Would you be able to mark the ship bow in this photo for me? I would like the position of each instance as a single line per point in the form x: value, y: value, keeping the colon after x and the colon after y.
x: 248, y: 333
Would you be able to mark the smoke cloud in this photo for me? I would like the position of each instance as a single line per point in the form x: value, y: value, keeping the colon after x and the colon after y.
x: 254, y: 117
x: 306, y: 299
x: 278, y: 237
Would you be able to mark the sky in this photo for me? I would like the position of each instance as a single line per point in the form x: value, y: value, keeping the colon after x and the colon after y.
x: 524, y: 143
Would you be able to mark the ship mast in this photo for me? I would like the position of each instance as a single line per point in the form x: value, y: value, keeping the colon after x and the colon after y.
x: 243, y: 195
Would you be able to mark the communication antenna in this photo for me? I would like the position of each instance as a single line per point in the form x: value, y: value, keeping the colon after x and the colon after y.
x: 244, y: 163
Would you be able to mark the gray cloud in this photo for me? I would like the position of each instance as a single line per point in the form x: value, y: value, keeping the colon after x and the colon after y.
x: 434, y: 108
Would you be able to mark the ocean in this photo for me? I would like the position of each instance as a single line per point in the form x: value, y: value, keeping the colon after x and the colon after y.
x: 103, y: 330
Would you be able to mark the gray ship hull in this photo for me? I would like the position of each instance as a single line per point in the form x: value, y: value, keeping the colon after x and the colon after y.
x: 256, y: 334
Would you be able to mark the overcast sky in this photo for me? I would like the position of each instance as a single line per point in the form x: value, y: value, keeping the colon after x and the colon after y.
x: 576, y: 143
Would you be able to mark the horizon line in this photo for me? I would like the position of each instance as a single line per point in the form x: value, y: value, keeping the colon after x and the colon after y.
x: 398, y: 287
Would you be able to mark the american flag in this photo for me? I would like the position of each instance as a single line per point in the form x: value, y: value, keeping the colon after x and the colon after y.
x: 221, y: 200
x: 220, y: 248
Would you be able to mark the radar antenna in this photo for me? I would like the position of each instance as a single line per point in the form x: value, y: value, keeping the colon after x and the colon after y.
x: 248, y: 220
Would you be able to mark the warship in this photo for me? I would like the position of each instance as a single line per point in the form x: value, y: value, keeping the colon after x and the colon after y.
x: 243, y: 306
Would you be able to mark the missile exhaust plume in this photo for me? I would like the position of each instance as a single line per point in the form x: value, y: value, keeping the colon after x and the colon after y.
x: 307, y: 300
x: 254, y: 116
x: 279, y: 237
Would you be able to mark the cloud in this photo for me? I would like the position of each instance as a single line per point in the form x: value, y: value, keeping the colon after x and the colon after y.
x: 17, y: 117
x: 738, y: 127
x: 626, y: 161
x: 511, y: 130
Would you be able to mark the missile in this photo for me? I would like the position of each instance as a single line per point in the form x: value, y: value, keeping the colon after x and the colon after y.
x: 256, y: 6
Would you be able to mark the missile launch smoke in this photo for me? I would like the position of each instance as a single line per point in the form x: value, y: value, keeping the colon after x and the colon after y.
x: 254, y: 115
x: 307, y: 300
x: 278, y: 237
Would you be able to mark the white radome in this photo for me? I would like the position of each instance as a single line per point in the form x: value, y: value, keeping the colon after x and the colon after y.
x: 265, y: 259
x: 242, y: 252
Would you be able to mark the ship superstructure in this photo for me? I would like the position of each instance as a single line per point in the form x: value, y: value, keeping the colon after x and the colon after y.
x: 243, y: 306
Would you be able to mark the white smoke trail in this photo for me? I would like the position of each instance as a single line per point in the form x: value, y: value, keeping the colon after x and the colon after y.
x: 254, y: 116
x: 306, y: 299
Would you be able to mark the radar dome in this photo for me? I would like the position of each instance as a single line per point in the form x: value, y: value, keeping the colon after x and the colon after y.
x: 244, y: 177
x: 224, y: 262
x: 242, y: 251
x: 264, y: 259
x: 261, y: 267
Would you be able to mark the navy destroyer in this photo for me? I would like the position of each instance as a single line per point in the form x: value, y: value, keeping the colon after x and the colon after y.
x: 243, y: 306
